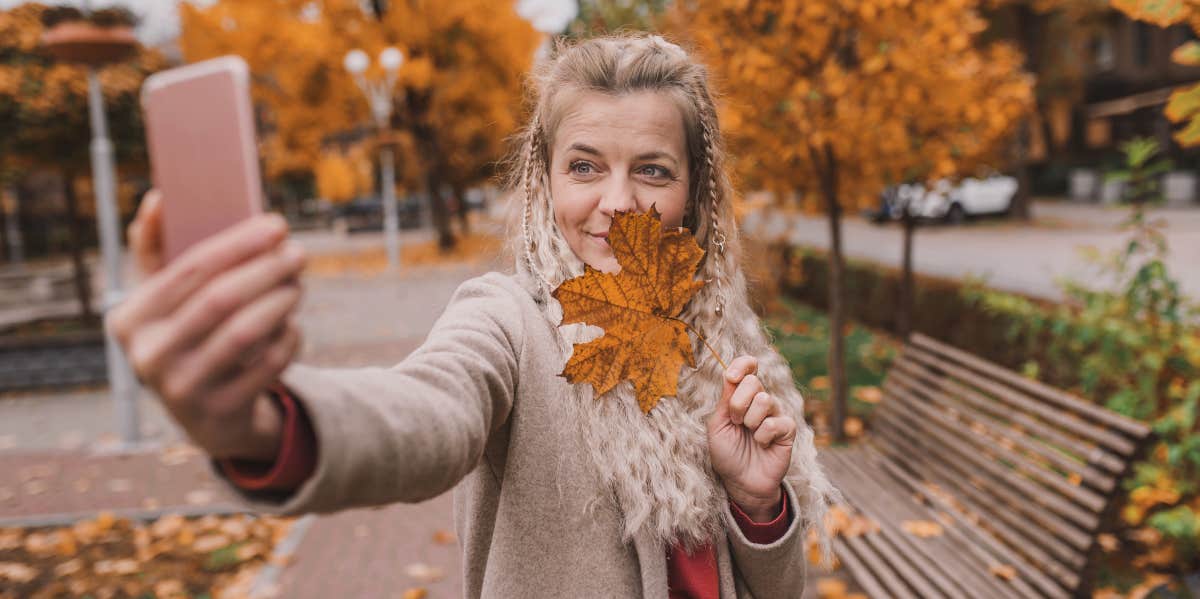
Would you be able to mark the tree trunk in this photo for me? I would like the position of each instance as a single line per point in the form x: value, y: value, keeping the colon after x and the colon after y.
x: 83, y: 284
x: 464, y: 217
x: 1024, y: 196
x: 837, y: 315
x: 441, y: 215
x: 1029, y: 28
x: 905, y: 313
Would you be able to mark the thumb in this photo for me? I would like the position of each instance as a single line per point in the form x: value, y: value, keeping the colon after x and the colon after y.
x: 145, y: 234
x: 738, y: 369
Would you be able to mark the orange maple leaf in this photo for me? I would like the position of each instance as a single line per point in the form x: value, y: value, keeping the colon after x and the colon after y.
x: 644, y: 341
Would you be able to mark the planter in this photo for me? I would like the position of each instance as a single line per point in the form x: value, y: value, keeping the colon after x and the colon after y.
x: 88, y: 43
x: 1112, y: 192
x: 1179, y: 188
x: 1083, y: 184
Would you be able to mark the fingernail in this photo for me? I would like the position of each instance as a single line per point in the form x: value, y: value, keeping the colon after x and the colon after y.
x: 293, y: 251
x: 276, y: 223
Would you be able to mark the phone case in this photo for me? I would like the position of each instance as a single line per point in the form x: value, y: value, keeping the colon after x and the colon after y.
x: 203, y: 157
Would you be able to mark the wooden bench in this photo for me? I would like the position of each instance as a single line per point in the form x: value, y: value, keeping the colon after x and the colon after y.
x: 1022, y: 478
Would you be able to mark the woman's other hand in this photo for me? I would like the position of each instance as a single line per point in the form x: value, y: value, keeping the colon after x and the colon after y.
x: 212, y: 330
x: 750, y: 441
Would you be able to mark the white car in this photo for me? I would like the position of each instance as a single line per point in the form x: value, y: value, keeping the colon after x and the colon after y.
x: 950, y: 202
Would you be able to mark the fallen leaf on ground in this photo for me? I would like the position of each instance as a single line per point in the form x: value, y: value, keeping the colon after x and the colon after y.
x: 831, y: 588
x: 1003, y: 571
x: 922, y: 528
x: 119, y: 485
x: 199, y: 497
x: 208, y: 543
x: 853, y: 427
x: 415, y: 593
x: 819, y: 383
x: 35, y: 487
x: 868, y: 394
x: 444, y: 537
x: 1108, y: 542
x: 644, y: 342
x: 424, y: 573
x: 121, y: 567
x: 14, y: 572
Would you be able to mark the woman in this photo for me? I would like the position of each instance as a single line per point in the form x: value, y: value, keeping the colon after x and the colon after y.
x: 558, y: 493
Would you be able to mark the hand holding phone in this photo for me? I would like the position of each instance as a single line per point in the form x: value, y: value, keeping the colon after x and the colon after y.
x: 211, y: 326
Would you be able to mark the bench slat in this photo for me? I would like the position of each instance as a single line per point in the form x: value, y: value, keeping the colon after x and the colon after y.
x: 1066, y: 562
x: 999, y: 476
x: 1019, y: 400
x: 1056, y: 482
x: 950, y: 393
x: 984, y: 541
x: 939, y: 559
x: 1129, y: 426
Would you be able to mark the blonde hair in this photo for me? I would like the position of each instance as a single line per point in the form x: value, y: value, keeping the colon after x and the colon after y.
x: 678, y: 505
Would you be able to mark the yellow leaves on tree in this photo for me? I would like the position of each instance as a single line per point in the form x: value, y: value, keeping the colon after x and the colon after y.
x: 1184, y: 105
x: 460, y: 81
x: 895, y: 90
x: 339, y: 178
x: 644, y: 341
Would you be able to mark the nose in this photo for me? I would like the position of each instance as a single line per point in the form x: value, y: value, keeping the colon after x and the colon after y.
x: 618, y: 195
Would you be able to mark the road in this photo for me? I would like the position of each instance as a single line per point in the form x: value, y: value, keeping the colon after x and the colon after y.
x: 1027, y: 259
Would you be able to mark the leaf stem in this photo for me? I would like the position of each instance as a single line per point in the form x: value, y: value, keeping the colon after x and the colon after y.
x: 724, y: 366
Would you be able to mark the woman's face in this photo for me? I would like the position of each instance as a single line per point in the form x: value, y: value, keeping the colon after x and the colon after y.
x: 616, y: 153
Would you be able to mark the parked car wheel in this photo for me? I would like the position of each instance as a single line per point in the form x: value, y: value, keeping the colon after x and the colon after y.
x: 956, y: 215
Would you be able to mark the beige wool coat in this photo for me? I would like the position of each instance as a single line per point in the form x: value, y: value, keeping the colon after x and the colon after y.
x: 477, y: 408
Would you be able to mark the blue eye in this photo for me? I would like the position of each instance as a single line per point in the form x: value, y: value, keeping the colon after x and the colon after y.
x: 655, y: 171
x: 582, y: 168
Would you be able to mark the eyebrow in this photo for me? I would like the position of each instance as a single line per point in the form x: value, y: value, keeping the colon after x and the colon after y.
x: 652, y: 155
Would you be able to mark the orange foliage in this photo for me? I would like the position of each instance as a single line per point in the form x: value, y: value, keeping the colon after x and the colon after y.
x: 644, y: 341
x: 869, y: 91
x: 460, y: 81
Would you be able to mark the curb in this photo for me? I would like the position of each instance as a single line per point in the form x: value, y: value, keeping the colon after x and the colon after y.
x: 67, y: 518
x: 266, y: 583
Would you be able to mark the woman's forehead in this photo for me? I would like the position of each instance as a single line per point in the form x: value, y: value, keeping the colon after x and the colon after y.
x: 635, y: 123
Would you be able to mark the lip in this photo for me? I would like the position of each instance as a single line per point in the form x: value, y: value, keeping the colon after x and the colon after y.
x: 603, y: 235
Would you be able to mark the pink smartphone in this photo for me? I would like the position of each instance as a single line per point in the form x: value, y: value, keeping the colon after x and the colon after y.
x: 203, y: 157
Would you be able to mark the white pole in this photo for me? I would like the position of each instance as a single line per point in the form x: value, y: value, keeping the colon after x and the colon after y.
x: 121, y: 381
x: 391, y: 221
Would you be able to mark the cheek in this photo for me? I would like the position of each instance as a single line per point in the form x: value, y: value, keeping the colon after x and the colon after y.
x: 671, y: 203
x: 570, y: 204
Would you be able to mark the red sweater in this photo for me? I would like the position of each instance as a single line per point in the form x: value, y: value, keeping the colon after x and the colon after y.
x: 689, y: 576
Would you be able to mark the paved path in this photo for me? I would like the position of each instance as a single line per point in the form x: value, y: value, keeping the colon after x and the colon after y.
x: 1009, y: 256
x: 56, y: 460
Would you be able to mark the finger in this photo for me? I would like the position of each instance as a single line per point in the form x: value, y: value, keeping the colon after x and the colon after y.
x: 259, y: 374
x: 162, y: 344
x: 235, y: 289
x: 163, y: 293
x: 762, y: 407
x: 738, y: 369
x: 742, y: 396
x: 776, y: 430
x: 232, y: 343
x: 145, y: 233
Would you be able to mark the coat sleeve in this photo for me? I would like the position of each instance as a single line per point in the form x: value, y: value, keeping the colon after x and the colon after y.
x: 776, y: 569
x: 412, y: 431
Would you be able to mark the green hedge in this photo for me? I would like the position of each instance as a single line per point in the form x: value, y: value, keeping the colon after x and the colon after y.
x: 942, y: 308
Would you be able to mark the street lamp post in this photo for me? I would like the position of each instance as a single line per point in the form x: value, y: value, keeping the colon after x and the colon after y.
x: 94, y: 47
x: 380, y: 97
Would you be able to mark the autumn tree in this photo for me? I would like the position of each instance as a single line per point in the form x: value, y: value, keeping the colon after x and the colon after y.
x: 457, y: 98
x: 603, y: 16
x: 834, y: 99
x: 1184, y: 104
x: 44, y: 115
